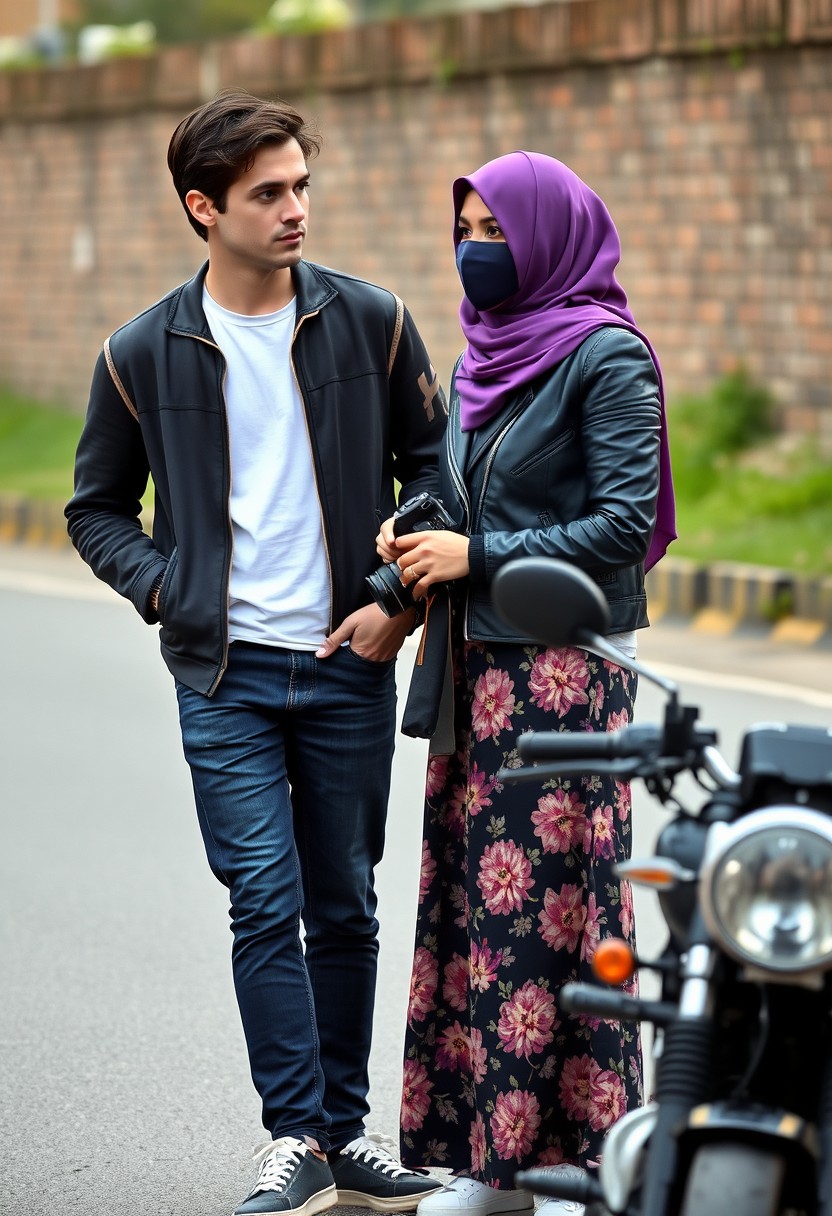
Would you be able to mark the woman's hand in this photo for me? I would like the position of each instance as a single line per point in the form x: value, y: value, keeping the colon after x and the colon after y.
x: 427, y: 558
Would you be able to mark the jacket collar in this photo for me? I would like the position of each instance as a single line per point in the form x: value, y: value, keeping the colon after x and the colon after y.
x: 312, y: 291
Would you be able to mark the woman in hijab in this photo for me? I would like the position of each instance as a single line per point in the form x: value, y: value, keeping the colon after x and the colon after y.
x: 556, y: 446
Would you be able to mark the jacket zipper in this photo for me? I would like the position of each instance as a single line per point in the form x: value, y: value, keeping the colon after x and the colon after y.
x: 481, y: 501
x: 224, y: 659
x: 305, y: 317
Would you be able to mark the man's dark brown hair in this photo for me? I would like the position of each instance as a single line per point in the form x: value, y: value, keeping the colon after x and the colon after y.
x: 217, y: 144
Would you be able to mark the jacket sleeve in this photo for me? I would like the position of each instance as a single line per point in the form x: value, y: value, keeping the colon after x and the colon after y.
x: 111, y: 475
x: 620, y: 437
x: 419, y: 414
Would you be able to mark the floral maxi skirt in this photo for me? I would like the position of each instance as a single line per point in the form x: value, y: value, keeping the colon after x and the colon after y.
x: 517, y: 888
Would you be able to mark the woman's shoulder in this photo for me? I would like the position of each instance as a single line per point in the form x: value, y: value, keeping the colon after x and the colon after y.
x: 612, y: 341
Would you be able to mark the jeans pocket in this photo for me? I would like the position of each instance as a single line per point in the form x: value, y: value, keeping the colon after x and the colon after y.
x: 370, y: 664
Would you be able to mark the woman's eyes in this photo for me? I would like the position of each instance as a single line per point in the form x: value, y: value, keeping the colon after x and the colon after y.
x: 493, y: 232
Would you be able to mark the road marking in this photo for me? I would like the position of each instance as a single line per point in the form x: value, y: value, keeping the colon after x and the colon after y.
x: 749, y: 684
x: 31, y: 583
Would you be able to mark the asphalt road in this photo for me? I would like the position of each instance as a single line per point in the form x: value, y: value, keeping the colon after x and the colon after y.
x: 124, y: 1086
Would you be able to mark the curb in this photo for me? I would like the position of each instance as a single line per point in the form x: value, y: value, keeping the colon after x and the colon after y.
x: 33, y: 522
x: 719, y: 598
x: 723, y: 597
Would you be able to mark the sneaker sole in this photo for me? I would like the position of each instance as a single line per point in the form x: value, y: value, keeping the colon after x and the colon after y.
x: 400, y: 1203
x: 492, y: 1207
x: 322, y: 1201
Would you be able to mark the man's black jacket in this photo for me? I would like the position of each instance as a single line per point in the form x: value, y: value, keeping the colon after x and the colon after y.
x: 374, y: 413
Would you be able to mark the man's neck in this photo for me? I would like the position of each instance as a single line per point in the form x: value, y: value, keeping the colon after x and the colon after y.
x: 250, y: 295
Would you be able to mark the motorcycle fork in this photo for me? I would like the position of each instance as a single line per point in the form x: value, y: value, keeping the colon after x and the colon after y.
x: 682, y: 1076
x: 825, y: 1139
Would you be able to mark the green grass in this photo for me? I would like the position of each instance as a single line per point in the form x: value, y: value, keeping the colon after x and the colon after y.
x: 37, y: 448
x: 766, y: 500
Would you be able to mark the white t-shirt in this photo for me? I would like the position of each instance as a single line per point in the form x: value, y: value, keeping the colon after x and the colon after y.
x: 279, y: 591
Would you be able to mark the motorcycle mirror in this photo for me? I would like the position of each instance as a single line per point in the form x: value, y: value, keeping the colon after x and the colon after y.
x: 556, y: 604
x: 550, y: 601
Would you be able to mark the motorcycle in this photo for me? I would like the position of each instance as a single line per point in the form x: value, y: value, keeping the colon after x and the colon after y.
x: 740, y: 1123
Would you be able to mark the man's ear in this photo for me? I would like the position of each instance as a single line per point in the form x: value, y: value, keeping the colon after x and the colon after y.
x: 201, y: 208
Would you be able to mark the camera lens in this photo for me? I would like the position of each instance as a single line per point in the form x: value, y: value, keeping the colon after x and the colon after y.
x: 387, y: 590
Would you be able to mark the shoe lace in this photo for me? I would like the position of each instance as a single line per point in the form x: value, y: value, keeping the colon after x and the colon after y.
x: 378, y: 1151
x: 278, y: 1160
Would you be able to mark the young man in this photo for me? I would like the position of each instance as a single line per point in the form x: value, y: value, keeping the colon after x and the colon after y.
x: 273, y: 402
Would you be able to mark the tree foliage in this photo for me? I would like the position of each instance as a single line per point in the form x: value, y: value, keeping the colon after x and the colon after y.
x: 180, y: 21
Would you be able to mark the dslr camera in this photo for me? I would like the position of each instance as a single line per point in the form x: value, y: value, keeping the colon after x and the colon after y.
x: 422, y: 513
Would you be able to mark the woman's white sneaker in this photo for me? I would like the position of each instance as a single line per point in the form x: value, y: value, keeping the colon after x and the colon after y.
x: 467, y: 1197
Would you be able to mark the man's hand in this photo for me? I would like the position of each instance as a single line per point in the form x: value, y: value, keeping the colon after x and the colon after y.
x: 371, y: 634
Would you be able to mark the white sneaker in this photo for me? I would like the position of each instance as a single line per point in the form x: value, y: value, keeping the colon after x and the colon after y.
x: 467, y: 1197
x: 561, y: 1207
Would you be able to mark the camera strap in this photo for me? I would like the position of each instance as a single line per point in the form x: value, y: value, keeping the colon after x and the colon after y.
x: 429, y: 709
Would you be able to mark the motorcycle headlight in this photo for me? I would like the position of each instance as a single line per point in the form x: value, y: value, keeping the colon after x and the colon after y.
x: 766, y: 890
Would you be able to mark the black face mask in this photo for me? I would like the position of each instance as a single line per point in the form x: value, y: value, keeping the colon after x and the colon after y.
x: 488, y: 273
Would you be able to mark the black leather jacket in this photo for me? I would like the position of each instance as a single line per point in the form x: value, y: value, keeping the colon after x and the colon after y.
x: 374, y: 412
x: 568, y: 469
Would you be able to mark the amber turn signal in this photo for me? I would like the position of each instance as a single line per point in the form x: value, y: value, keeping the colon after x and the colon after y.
x: 614, y: 961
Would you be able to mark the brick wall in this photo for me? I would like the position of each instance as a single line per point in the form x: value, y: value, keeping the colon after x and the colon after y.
x: 706, y: 125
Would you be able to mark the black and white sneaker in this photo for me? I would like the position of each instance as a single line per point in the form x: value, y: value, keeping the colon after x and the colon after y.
x: 368, y: 1175
x: 291, y: 1180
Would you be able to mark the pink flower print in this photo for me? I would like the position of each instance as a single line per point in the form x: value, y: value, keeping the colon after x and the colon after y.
x: 616, y: 721
x: 424, y: 979
x: 592, y: 928
x: 598, y: 700
x: 477, y: 1142
x: 479, y: 1056
x: 526, y: 1020
x: 562, y: 917
x: 493, y: 704
x: 504, y: 877
x: 607, y: 1100
x: 559, y: 821
x: 479, y: 787
x: 615, y: 670
x: 603, y: 840
x: 559, y: 680
x: 436, y: 775
x: 553, y: 1155
x: 453, y: 815
x: 623, y: 800
x: 427, y: 872
x: 459, y: 900
x: 484, y: 966
x: 576, y: 1086
x: 453, y: 1049
x: 625, y: 914
x: 455, y: 984
x: 415, y: 1095
x: 514, y: 1123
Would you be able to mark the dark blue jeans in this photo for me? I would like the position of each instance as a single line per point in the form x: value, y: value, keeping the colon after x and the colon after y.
x: 290, y: 760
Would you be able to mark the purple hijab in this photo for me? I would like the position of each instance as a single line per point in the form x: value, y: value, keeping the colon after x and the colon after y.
x: 565, y: 249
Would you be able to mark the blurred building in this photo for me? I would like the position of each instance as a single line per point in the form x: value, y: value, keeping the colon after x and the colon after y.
x: 21, y: 18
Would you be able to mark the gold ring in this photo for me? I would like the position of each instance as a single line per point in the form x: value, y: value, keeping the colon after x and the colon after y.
x: 413, y: 574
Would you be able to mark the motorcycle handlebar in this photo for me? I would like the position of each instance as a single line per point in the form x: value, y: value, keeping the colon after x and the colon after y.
x: 630, y: 741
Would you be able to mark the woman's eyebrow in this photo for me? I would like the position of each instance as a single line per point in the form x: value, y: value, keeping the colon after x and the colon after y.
x: 484, y: 219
